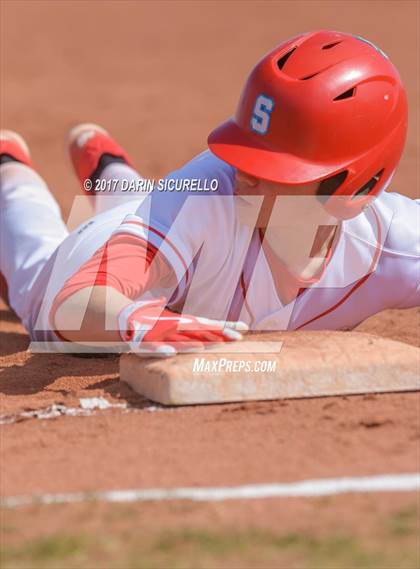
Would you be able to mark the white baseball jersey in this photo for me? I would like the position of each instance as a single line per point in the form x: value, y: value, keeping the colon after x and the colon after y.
x: 221, y: 268
x: 374, y: 265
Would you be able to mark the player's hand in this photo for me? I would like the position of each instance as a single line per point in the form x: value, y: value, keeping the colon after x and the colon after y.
x: 151, y: 329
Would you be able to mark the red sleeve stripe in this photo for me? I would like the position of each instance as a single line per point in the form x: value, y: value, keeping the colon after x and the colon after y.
x: 164, y: 238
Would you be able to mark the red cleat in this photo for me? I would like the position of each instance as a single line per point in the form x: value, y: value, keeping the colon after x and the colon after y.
x: 15, y: 147
x: 87, y: 143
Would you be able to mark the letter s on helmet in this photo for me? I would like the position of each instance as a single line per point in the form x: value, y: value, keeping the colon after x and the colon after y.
x: 324, y: 106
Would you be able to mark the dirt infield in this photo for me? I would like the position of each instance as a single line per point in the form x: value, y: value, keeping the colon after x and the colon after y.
x: 159, y: 76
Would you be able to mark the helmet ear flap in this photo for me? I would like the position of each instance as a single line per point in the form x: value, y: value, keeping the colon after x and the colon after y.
x: 329, y: 186
x: 347, y: 203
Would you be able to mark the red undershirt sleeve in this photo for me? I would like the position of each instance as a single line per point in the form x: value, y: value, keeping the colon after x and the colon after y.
x: 126, y: 262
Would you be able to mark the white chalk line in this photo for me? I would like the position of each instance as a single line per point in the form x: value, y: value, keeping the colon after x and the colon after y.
x: 305, y: 488
x: 88, y: 407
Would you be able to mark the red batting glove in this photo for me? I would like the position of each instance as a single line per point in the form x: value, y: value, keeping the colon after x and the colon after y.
x: 150, y: 328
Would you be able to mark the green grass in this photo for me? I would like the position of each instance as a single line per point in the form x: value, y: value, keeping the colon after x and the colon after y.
x: 120, y: 537
x: 46, y: 552
x: 405, y: 523
x: 191, y: 549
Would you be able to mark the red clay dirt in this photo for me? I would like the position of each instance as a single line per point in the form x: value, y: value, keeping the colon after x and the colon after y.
x: 159, y: 76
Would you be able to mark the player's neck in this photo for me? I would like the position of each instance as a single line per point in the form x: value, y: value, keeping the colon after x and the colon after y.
x: 302, y: 249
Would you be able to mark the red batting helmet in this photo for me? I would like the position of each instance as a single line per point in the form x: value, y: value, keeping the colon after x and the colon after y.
x: 324, y: 106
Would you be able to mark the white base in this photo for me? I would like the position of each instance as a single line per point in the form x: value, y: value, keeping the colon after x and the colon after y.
x: 310, y: 364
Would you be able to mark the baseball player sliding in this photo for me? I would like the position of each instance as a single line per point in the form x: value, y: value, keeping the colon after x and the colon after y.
x: 296, y: 231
